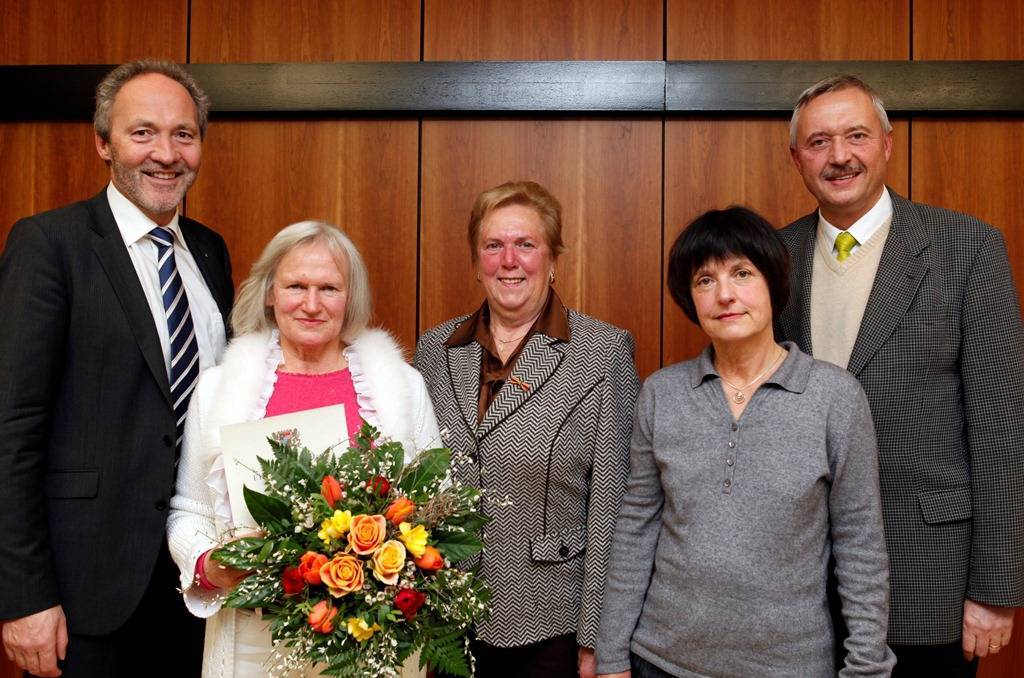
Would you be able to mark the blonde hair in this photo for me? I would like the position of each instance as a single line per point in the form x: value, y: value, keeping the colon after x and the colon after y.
x: 528, y: 194
x: 251, y: 313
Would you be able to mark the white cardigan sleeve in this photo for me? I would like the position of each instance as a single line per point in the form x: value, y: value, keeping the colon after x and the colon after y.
x: 191, y: 525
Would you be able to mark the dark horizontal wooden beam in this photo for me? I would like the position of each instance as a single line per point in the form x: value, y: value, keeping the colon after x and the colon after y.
x: 546, y: 87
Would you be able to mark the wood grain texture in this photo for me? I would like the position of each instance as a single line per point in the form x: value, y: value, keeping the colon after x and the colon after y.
x: 971, y: 166
x: 605, y: 173
x: 968, y: 29
x: 714, y: 164
x: 305, y: 30
x: 471, y: 30
x: 260, y: 176
x: 46, y: 165
x: 787, y: 29
x: 91, y: 31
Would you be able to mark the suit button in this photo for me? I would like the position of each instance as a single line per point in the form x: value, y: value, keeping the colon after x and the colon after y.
x: 564, y: 551
x: 168, y: 441
x: 160, y: 505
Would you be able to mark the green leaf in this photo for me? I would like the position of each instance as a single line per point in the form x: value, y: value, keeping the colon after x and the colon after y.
x: 457, y: 546
x: 265, y: 510
x: 429, y: 467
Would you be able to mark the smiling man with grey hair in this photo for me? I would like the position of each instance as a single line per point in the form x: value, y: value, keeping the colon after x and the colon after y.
x: 918, y: 302
x: 111, y: 308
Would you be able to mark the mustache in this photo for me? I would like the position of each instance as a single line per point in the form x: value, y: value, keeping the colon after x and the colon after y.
x: 833, y: 171
x: 178, y: 166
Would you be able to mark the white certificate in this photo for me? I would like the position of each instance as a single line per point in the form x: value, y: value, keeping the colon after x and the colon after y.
x: 242, y: 445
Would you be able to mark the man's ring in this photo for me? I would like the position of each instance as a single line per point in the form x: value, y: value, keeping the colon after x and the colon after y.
x: 993, y: 647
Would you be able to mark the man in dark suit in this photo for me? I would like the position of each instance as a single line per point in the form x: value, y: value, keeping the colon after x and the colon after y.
x: 917, y: 302
x: 110, y: 308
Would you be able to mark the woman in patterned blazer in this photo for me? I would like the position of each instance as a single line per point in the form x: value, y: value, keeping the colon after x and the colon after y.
x: 537, y: 400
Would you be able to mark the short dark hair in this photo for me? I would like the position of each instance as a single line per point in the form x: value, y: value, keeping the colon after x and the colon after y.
x: 718, y: 234
x: 112, y: 83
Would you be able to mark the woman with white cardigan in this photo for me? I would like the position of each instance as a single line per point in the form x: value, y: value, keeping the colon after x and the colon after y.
x: 301, y: 342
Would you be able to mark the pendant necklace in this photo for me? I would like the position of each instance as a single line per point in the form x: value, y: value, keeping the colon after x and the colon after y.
x: 738, y: 397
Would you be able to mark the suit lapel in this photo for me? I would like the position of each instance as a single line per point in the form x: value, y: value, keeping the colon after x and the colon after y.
x: 214, y: 279
x: 464, y: 376
x: 796, y: 317
x: 113, y: 257
x: 901, y: 269
x: 537, y: 362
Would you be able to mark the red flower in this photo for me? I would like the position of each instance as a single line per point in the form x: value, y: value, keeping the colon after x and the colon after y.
x: 330, y: 488
x: 309, y: 566
x: 321, y: 617
x: 292, y: 581
x: 409, y: 601
x: 379, y: 484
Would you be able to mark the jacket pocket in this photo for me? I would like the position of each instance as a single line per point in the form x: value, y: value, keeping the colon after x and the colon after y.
x: 559, y: 547
x: 945, y: 506
x: 84, y: 484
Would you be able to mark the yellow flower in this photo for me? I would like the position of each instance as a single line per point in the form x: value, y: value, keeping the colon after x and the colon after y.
x: 335, y: 526
x: 358, y: 629
x: 414, y: 538
x: 388, y: 562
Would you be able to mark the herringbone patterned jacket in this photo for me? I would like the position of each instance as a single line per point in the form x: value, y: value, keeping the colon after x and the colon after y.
x: 557, y: 449
x: 940, y: 354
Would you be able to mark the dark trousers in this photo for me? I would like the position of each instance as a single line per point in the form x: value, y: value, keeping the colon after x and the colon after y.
x: 938, y: 661
x: 160, y: 638
x: 641, y: 668
x: 550, y: 658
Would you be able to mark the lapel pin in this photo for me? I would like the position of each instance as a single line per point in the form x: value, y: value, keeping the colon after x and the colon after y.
x: 519, y: 382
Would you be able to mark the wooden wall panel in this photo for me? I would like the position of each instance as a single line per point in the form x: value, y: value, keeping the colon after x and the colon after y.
x: 46, y: 165
x: 787, y: 29
x: 714, y: 164
x: 305, y: 30
x: 260, y: 176
x: 968, y: 29
x: 606, y: 174
x: 470, y: 30
x: 91, y: 31
x: 971, y: 166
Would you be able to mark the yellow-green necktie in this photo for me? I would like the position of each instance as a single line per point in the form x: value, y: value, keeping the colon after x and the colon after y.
x: 844, y: 243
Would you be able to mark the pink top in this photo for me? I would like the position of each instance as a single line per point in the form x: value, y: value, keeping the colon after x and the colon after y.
x: 297, y: 392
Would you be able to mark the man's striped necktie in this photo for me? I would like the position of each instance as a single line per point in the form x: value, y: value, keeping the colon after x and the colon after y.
x: 184, y: 349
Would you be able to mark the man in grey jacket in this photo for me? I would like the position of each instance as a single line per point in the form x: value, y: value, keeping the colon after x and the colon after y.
x: 918, y: 303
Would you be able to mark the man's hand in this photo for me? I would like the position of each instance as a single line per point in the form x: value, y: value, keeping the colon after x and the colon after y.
x: 986, y: 630
x: 37, y: 641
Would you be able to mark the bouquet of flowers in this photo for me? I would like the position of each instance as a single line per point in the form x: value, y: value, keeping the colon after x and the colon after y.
x: 355, y: 563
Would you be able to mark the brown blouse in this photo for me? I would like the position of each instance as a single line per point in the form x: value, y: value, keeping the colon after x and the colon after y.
x: 553, y: 321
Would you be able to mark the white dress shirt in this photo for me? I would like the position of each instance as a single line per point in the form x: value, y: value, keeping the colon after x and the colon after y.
x: 206, y: 318
x: 863, y: 228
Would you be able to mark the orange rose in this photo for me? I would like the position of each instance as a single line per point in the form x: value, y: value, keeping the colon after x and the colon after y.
x: 330, y: 488
x: 366, y: 533
x: 430, y: 561
x: 309, y: 566
x: 399, y: 510
x: 321, y: 617
x: 342, y: 575
x: 388, y: 561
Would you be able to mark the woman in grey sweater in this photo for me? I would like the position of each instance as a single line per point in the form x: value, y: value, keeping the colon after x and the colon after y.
x: 750, y: 465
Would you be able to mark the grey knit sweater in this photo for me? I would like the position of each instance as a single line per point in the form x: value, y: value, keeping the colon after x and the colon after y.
x: 721, y: 548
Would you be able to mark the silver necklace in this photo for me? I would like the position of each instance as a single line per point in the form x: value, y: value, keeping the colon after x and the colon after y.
x: 738, y: 397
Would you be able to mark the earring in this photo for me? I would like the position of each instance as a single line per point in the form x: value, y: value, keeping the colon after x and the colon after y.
x: 551, y: 277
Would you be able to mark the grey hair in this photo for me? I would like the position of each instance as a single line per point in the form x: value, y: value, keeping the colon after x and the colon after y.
x: 834, y: 84
x: 107, y: 91
x: 251, y: 313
